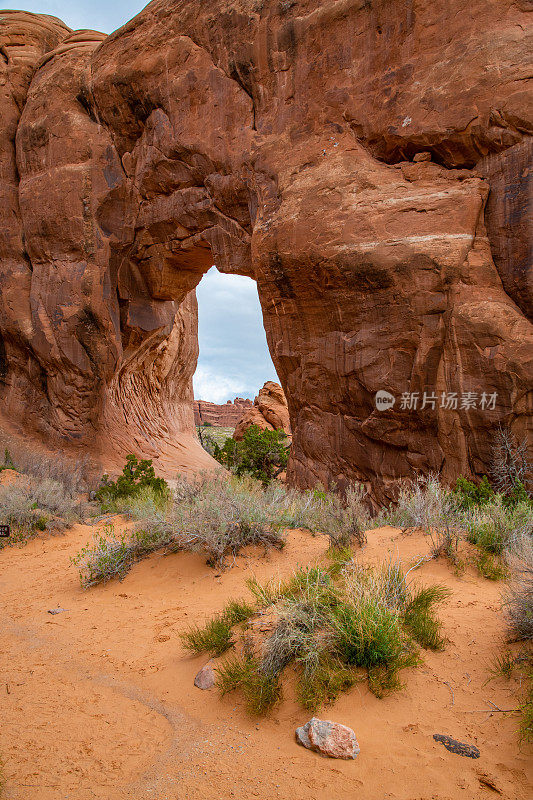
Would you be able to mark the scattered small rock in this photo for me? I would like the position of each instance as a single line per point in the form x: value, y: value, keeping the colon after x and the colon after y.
x: 56, y: 610
x: 302, y: 736
x: 330, y: 739
x: 459, y: 748
x: 425, y: 155
x: 205, y: 679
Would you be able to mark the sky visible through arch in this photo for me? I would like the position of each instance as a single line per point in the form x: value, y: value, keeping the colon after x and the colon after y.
x: 234, y: 358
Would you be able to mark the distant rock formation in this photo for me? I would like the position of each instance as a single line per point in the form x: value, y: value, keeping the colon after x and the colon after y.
x: 226, y: 415
x: 269, y: 411
x: 367, y: 163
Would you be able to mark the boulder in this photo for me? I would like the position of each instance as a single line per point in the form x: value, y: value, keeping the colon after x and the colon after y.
x: 205, y: 678
x: 330, y: 739
x: 269, y: 412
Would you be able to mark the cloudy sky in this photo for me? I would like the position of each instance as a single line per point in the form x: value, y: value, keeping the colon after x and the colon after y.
x: 98, y: 15
x: 234, y: 358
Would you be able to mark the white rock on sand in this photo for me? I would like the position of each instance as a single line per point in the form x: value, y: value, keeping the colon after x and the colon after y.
x: 330, y: 739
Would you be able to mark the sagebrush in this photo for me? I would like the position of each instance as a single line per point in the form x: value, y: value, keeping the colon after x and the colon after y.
x: 330, y: 626
x: 32, y: 505
x: 218, y: 516
x: 75, y: 474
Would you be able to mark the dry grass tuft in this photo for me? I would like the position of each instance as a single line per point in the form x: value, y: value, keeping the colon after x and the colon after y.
x: 76, y: 475
x: 331, y: 624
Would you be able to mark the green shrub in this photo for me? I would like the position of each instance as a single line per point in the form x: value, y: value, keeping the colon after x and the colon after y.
x: 468, y: 494
x: 518, y: 495
x: 322, y: 685
x: 367, y: 634
x: 261, y: 690
x: 136, y: 477
x: 419, y: 616
x: 215, y: 637
x: 237, y: 611
x: 492, y: 567
x: 329, y: 627
x: 496, y: 527
x: 262, y: 454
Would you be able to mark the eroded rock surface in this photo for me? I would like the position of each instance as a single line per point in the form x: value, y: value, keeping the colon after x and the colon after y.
x: 280, y: 140
x: 269, y: 412
x: 224, y: 414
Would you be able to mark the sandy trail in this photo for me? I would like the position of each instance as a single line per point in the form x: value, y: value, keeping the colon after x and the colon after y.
x: 98, y: 701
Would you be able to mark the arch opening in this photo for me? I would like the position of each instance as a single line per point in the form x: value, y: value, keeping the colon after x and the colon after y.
x: 234, y: 359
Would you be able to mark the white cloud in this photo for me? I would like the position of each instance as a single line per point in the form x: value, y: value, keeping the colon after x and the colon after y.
x: 211, y: 385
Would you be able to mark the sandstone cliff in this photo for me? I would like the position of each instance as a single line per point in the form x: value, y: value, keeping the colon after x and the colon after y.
x: 227, y: 414
x: 368, y: 163
x: 269, y: 411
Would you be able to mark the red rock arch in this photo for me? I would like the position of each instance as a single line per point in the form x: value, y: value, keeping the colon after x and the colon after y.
x: 327, y: 150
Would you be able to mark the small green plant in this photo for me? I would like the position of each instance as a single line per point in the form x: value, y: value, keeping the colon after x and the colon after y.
x: 262, y: 454
x: 40, y: 524
x: 518, y: 495
x: 261, y: 690
x: 112, y: 555
x: 215, y: 637
x: 8, y: 461
x: 330, y: 625
x: 136, y: 477
x: 496, y: 527
x: 419, y: 616
x: 323, y: 684
x: 492, y: 567
x: 108, y: 556
x: 503, y: 665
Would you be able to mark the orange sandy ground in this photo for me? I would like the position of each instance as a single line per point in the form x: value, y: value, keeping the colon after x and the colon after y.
x: 99, y: 702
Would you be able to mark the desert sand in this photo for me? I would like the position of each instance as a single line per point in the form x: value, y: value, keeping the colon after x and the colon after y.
x: 98, y: 701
